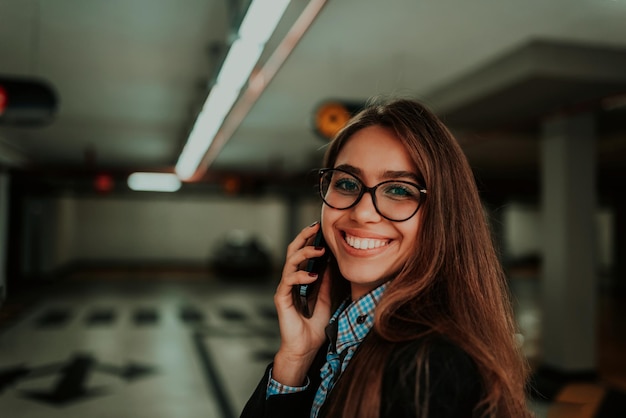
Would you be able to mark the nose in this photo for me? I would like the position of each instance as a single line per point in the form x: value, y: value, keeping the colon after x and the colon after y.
x: 365, y: 210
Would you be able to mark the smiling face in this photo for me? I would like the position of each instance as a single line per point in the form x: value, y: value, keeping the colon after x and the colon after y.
x: 369, y: 248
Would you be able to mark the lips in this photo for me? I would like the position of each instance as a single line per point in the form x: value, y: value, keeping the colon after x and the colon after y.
x: 361, y: 243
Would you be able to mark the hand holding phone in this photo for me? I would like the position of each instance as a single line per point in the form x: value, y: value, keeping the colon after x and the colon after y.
x: 305, y: 295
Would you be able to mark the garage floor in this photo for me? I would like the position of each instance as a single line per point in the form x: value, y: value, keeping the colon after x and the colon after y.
x: 128, y: 345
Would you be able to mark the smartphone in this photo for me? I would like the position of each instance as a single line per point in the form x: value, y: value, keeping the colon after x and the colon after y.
x: 305, y: 295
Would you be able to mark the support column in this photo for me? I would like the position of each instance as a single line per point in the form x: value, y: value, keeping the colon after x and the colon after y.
x: 4, y: 236
x: 618, y: 273
x: 569, y: 277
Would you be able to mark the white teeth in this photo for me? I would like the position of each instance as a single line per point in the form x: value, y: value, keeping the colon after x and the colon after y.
x: 365, y: 243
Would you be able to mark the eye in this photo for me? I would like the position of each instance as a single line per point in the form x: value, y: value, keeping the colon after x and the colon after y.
x: 400, y: 191
x: 347, y: 185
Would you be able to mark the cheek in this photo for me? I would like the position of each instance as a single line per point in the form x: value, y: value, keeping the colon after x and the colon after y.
x: 410, y: 233
x: 329, y: 217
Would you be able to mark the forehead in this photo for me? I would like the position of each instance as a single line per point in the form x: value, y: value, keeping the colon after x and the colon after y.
x: 375, y: 149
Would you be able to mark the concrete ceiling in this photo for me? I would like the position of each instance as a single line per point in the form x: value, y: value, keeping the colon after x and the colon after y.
x: 131, y: 75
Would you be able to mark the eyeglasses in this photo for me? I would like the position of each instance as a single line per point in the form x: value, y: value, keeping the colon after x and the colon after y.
x: 395, y: 200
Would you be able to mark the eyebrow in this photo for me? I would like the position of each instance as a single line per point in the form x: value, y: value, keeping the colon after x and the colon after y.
x: 389, y: 174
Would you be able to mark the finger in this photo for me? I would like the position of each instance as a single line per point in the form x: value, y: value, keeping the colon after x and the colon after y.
x: 284, y: 296
x: 303, y: 236
x: 296, y: 278
x: 295, y: 260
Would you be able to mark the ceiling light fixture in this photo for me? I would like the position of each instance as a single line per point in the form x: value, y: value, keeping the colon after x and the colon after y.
x: 259, y: 80
x: 154, y: 182
x: 257, y: 26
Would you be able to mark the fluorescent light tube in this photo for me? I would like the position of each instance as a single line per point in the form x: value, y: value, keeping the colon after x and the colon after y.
x: 205, y: 128
x: 154, y: 182
x: 261, y: 19
x: 256, y: 28
x: 239, y: 63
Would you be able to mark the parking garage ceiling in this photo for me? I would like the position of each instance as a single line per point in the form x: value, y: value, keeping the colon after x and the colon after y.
x: 131, y: 76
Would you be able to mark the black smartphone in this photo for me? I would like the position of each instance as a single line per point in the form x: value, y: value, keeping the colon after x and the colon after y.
x: 305, y: 295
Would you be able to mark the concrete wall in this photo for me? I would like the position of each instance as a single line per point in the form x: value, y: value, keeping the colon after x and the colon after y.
x: 169, y: 229
x: 185, y: 230
x: 523, y: 233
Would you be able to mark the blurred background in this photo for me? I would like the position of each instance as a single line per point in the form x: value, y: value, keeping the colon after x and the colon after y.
x: 124, y: 295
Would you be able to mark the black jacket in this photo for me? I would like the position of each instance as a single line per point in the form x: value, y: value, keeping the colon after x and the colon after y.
x: 454, y: 385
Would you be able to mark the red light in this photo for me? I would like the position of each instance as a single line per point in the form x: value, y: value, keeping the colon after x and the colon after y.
x: 103, y: 183
x: 4, y: 100
x: 232, y: 185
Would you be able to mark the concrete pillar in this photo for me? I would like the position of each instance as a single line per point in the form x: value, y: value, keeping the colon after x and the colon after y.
x: 569, y: 282
x: 618, y: 279
x: 4, y: 233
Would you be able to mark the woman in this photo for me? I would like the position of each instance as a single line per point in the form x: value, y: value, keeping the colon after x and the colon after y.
x: 414, y: 286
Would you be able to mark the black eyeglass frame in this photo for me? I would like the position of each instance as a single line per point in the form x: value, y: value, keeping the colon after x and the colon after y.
x: 372, y: 191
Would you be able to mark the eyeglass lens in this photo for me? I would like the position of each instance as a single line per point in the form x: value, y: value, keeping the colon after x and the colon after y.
x: 394, y: 199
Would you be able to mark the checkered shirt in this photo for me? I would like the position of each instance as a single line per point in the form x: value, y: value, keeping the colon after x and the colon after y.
x: 352, y: 322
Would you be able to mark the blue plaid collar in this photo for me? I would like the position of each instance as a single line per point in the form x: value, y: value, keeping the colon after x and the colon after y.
x: 356, y: 318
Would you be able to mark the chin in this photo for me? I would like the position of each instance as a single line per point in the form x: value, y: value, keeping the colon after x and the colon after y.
x: 364, y: 275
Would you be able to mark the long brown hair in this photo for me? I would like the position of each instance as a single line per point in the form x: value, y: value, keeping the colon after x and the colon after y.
x: 453, y: 285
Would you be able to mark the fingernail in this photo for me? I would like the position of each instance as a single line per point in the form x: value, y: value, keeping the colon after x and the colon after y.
x: 312, y: 274
x: 313, y: 224
x: 319, y: 248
